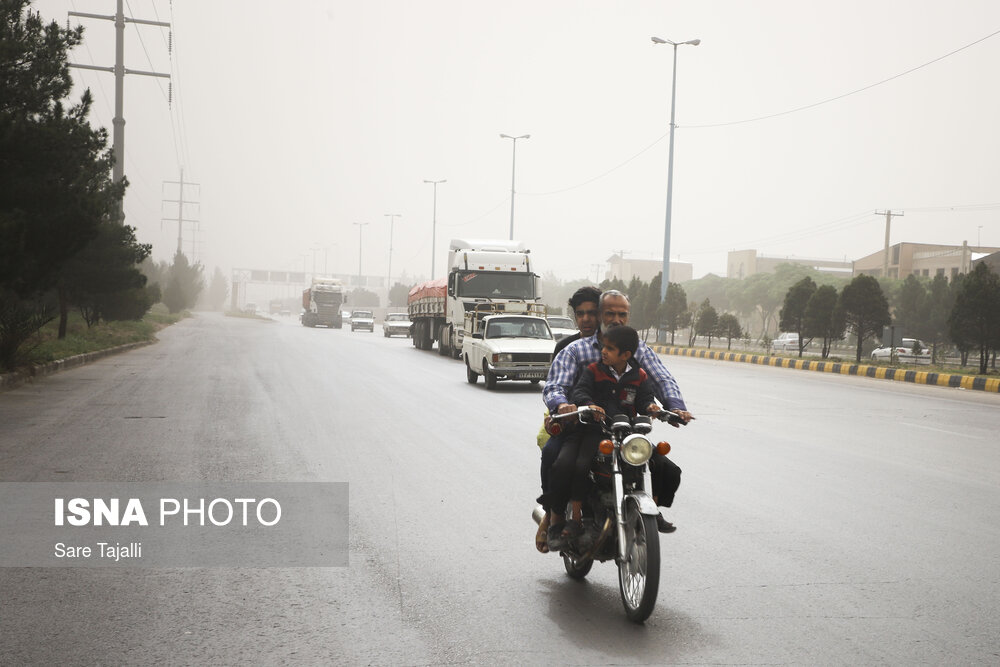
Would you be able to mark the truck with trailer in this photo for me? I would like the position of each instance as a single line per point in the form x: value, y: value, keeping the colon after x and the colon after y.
x: 321, y: 303
x: 479, y: 272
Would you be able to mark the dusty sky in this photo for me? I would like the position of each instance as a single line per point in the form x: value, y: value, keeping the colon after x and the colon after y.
x: 298, y: 120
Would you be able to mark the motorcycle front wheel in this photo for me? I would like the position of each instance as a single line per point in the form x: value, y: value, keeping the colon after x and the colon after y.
x: 577, y: 568
x: 639, y: 573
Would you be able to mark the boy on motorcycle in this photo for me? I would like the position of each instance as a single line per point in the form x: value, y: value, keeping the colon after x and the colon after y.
x: 614, y: 385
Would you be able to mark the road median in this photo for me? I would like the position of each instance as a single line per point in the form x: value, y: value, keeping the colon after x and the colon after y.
x: 958, y: 380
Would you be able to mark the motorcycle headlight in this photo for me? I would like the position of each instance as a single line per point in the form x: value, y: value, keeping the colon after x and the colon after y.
x: 636, y: 449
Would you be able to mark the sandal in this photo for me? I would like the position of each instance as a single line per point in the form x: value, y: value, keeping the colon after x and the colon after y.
x: 542, y: 537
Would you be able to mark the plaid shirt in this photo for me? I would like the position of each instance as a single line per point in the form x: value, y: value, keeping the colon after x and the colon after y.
x: 571, y: 361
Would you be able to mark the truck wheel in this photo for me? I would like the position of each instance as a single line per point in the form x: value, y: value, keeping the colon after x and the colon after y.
x: 470, y: 375
x: 489, y: 378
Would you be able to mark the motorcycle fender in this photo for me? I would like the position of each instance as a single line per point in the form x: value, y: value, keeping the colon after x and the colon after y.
x: 644, y: 503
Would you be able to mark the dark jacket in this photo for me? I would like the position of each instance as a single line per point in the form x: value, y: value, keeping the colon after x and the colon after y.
x: 597, y: 386
x: 564, y: 342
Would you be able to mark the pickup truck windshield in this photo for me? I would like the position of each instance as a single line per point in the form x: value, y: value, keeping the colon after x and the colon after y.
x: 518, y: 327
x: 495, y: 285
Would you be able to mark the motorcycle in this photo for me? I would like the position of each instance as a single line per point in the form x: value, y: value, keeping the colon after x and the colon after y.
x: 622, y: 513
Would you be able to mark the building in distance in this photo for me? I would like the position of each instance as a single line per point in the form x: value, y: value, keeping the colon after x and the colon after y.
x: 625, y: 269
x: 744, y: 263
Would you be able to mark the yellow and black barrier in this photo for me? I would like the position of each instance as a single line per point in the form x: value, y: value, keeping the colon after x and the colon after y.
x: 863, y: 370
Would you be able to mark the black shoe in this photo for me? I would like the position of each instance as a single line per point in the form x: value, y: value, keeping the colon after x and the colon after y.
x: 585, y: 541
x: 555, y: 540
x: 663, y: 525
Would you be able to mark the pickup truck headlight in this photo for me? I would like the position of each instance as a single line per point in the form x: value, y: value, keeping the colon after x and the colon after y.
x: 503, y: 358
x: 636, y: 449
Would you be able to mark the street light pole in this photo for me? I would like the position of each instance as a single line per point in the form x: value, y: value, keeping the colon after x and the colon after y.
x: 434, y: 221
x: 513, y: 166
x: 670, y: 164
x: 388, y: 276
x: 360, y: 226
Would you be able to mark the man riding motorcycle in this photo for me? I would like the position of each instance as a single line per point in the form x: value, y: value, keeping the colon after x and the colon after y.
x: 566, y: 368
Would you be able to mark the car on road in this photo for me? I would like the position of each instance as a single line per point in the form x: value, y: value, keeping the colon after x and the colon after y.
x: 786, y: 342
x: 397, y: 324
x: 362, y: 319
x: 908, y: 351
x: 561, y: 326
x: 508, y: 347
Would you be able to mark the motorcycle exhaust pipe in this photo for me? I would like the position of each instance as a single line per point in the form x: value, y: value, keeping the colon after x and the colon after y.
x: 538, y: 514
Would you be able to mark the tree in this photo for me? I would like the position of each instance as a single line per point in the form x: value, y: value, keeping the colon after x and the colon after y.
x: 398, y: 294
x: 909, y: 311
x: 19, y: 320
x: 713, y: 288
x: 638, y: 315
x: 55, y: 170
x: 613, y: 284
x: 707, y: 322
x: 824, y: 318
x: 792, y: 315
x: 649, y: 304
x: 218, y: 291
x: 672, y: 309
x: 759, y: 290
x: 729, y: 327
x: 55, y: 185
x: 103, y: 278
x: 933, y: 327
x: 975, y: 318
x: 184, y: 284
x: 865, y: 308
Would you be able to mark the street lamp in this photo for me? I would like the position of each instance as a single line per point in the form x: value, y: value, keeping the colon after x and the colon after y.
x: 513, y: 165
x: 434, y: 220
x: 360, y: 226
x: 670, y: 164
x: 388, y: 276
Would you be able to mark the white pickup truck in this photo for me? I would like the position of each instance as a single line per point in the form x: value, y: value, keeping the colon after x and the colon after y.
x: 507, y: 345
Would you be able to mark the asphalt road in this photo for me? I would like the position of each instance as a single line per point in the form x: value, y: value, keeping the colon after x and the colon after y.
x: 822, y: 519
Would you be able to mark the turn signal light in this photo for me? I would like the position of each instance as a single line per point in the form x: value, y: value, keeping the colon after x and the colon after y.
x: 663, y: 448
x: 606, y: 447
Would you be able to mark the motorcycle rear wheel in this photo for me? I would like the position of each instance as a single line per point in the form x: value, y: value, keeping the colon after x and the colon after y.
x: 639, y: 573
x: 577, y: 568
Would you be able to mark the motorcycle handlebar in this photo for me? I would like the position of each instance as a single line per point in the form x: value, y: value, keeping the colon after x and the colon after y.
x: 585, y: 411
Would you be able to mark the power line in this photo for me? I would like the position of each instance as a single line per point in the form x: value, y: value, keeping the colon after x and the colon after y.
x: 600, y: 176
x: 853, y: 92
x: 759, y: 118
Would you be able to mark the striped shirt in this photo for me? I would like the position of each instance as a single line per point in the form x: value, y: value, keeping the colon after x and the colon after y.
x: 571, y: 361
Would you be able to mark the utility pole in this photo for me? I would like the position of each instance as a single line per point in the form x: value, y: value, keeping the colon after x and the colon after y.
x: 180, y: 201
x: 434, y: 220
x: 118, y: 134
x: 388, y: 275
x: 360, y: 226
x: 885, y: 258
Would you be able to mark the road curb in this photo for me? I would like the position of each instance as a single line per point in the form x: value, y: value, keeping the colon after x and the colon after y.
x: 16, y: 378
x: 864, y: 370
